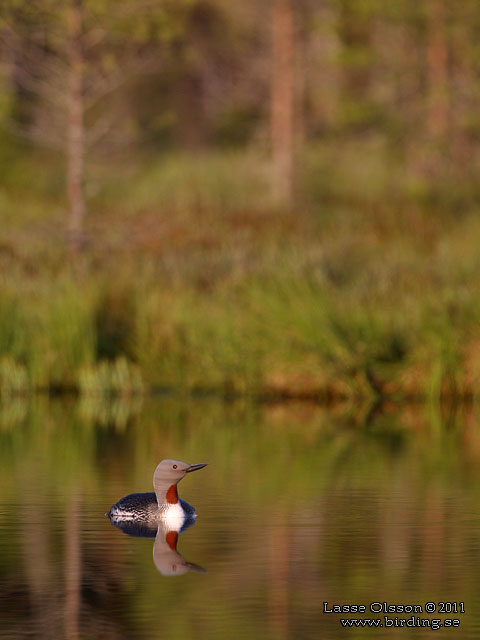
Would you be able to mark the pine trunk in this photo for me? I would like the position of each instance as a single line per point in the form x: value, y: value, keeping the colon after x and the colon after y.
x: 282, y: 101
x: 75, y: 132
x: 437, y: 113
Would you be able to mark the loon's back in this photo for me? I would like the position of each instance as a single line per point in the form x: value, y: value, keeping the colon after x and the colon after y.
x: 143, y: 507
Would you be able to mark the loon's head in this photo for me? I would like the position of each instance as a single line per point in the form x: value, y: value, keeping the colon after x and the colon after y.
x: 167, y: 474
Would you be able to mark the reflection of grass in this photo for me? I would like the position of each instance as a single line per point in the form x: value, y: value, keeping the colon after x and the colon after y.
x: 194, y: 281
x: 337, y: 506
x: 102, y: 409
x: 259, y: 440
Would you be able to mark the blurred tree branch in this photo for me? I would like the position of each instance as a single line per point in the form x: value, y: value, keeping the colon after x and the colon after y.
x: 70, y: 56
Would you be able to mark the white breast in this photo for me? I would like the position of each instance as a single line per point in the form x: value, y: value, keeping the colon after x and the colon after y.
x: 172, y: 515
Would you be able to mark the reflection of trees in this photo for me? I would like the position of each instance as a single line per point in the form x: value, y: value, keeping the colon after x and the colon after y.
x: 305, y: 508
x: 73, y: 567
x: 44, y: 605
x: 278, y: 578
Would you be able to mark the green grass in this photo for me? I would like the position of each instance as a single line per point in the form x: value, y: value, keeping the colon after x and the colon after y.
x: 194, y: 280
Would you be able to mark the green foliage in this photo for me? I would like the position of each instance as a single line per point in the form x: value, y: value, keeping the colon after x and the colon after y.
x: 13, y: 377
x: 117, y: 377
x: 182, y: 183
x: 193, y: 281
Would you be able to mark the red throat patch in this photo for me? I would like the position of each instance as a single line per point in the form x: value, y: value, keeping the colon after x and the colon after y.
x: 172, y: 495
x: 171, y: 539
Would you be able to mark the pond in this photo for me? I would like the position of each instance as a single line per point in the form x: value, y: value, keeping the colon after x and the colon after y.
x: 299, y: 506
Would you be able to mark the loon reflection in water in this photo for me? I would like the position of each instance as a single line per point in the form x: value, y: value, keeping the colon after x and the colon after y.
x: 165, y: 555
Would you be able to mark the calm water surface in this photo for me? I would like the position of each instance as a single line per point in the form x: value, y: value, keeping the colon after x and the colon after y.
x: 298, y: 506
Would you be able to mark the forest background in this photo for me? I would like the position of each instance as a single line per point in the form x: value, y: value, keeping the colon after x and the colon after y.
x: 273, y: 198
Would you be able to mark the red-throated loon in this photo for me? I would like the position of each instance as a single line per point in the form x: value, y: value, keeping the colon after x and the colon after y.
x: 164, y: 503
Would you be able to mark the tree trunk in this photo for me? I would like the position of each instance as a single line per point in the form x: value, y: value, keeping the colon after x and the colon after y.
x: 75, y: 133
x: 437, y: 113
x: 282, y: 101
x: 191, y: 117
x: 355, y: 30
x: 461, y: 96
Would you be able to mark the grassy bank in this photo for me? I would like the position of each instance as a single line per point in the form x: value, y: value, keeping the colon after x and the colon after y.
x: 194, y: 280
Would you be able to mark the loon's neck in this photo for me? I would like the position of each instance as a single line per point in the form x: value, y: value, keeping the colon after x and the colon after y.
x: 171, y: 495
x: 167, y: 495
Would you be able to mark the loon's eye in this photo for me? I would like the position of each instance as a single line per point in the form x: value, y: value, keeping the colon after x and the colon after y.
x: 174, y: 466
